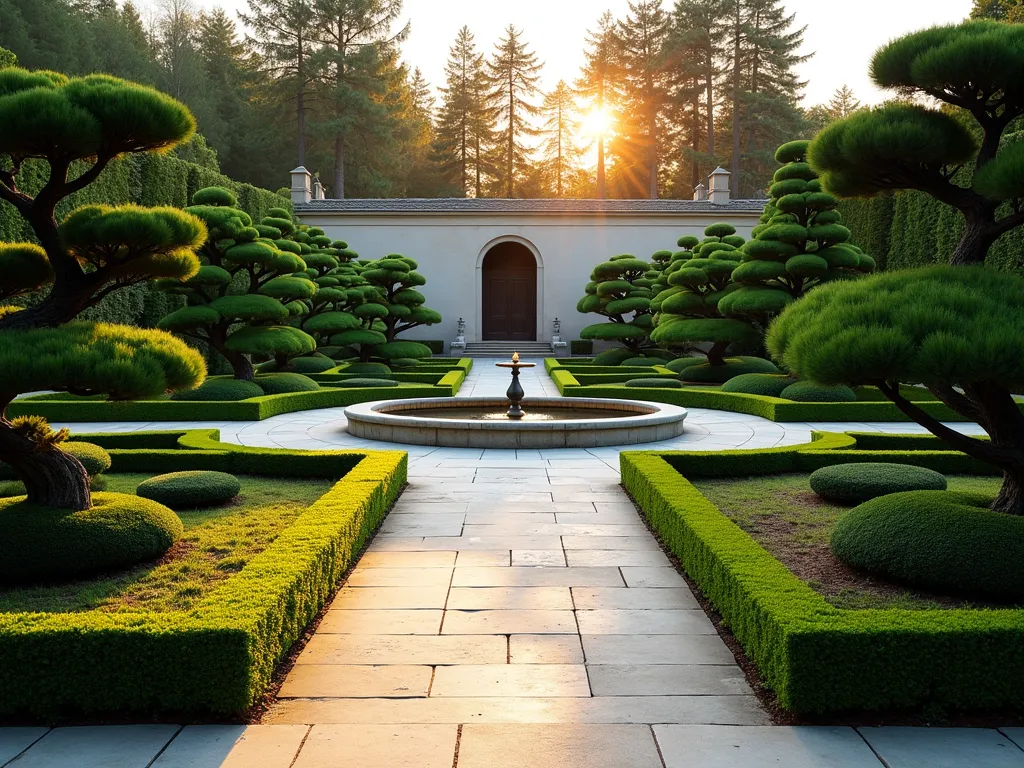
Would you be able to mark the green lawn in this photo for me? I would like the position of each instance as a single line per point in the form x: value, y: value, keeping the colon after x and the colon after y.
x: 217, y: 543
x: 793, y: 523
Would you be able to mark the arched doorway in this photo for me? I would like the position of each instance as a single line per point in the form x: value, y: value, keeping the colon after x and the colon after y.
x: 509, y: 302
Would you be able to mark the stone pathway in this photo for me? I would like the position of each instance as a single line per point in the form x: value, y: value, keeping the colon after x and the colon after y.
x: 513, y: 612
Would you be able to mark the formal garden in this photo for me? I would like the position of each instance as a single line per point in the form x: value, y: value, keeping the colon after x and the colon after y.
x: 158, y: 573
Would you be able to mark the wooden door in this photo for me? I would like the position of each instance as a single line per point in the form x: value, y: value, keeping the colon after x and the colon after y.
x: 509, y: 294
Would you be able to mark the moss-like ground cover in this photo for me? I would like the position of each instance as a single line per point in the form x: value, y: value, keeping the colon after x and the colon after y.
x: 793, y: 523
x: 217, y: 543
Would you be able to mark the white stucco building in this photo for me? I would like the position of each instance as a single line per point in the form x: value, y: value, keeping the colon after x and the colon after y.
x: 510, y: 267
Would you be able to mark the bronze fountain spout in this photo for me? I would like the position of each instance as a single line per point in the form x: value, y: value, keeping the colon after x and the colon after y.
x: 515, y: 391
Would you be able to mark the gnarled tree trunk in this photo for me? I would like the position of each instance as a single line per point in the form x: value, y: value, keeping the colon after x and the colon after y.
x: 52, y: 477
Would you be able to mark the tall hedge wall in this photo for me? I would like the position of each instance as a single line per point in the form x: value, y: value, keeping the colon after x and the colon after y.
x: 912, y: 229
x: 148, y: 179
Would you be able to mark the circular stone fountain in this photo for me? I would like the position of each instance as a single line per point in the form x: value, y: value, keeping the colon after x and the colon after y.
x: 493, y: 422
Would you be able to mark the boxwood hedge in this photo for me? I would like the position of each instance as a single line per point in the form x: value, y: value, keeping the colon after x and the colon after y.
x: 218, y: 658
x: 818, y: 658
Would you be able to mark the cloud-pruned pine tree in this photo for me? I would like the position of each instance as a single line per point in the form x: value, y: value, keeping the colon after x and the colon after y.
x: 78, y: 126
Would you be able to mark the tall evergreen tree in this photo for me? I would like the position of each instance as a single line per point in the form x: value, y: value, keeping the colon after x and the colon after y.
x: 466, y: 122
x: 561, y: 155
x: 641, y: 39
x: 695, y: 49
x: 1001, y: 10
x: 769, y: 90
x: 513, y: 72
x: 423, y: 177
x: 282, y: 31
x: 600, y: 84
x: 357, y: 39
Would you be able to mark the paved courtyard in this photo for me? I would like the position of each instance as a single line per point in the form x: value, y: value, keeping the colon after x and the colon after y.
x: 513, y: 612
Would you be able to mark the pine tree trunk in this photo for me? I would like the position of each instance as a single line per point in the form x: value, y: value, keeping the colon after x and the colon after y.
x: 300, y: 113
x: 975, y: 241
x: 52, y: 477
x: 601, y: 190
x: 716, y: 355
x: 711, y: 112
x: 1011, y: 495
x: 652, y: 153
x: 339, y: 167
x: 695, y: 136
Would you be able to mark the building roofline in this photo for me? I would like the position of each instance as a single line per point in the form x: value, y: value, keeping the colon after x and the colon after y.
x: 526, y: 207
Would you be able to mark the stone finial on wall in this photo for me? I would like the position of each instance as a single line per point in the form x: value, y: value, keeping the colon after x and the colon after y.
x: 719, y: 186
x: 301, y: 185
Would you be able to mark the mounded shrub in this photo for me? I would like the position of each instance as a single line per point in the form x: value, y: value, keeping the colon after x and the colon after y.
x: 615, y: 356
x: 311, y: 364
x: 92, y: 457
x: 41, y: 544
x: 719, y: 374
x: 856, y: 483
x: 12, y: 488
x: 680, y: 364
x: 663, y: 382
x: 806, y: 392
x: 404, y: 362
x: 187, y: 490
x: 285, y: 383
x: 642, y: 362
x: 374, y: 369
x: 766, y: 384
x: 220, y: 389
x: 937, y: 540
x: 364, y: 382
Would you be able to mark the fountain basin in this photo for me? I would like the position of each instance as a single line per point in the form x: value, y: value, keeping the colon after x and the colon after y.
x: 474, y: 422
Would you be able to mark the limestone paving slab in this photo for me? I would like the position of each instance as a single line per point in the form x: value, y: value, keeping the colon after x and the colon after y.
x: 408, y: 560
x: 510, y: 598
x: 404, y: 649
x: 645, y: 622
x: 15, y: 740
x: 538, y: 557
x: 400, y: 577
x: 98, y: 746
x: 652, y: 576
x: 233, y: 746
x: 690, y: 746
x: 509, y: 622
x: 381, y: 622
x: 667, y: 680
x: 370, y: 598
x: 592, y: 557
x: 482, y: 680
x: 545, y: 649
x: 725, y: 710
x: 565, y: 746
x: 484, y: 558
x: 356, y: 681
x: 619, y: 598
x: 656, y: 649
x: 541, y: 576
x: 372, y: 745
x: 943, y: 747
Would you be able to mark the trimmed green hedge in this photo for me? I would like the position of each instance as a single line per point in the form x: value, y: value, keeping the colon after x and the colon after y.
x: 218, y: 658
x: 818, y: 658
x: 65, y: 407
x: 771, y: 408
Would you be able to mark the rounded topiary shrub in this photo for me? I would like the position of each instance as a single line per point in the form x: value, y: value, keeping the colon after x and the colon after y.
x: 220, y: 389
x: 366, y: 382
x: 187, y: 490
x: 719, y: 374
x: 806, y: 392
x: 936, y: 540
x: 404, y: 362
x: 372, y: 369
x: 312, y: 364
x: 766, y: 384
x: 11, y: 488
x: 855, y: 483
x: 285, y: 383
x: 642, y: 362
x: 40, y: 544
x: 680, y: 364
x: 662, y: 382
x: 614, y: 356
x: 92, y: 457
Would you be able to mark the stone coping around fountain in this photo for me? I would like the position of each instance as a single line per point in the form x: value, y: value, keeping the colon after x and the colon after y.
x: 383, y: 421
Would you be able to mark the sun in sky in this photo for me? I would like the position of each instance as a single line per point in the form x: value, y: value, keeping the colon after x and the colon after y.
x: 597, y: 121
